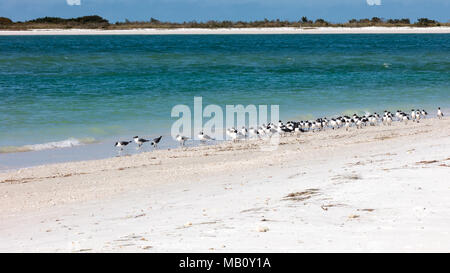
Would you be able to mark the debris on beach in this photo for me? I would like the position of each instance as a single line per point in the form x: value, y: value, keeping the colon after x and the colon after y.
x: 301, y: 196
x: 263, y: 229
x: 427, y: 162
x: 326, y: 207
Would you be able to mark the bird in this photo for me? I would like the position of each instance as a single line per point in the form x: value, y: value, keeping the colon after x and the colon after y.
x: 156, y: 141
x: 233, y: 134
x: 204, y: 138
x: 181, y: 139
x: 424, y: 113
x: 373, y: 120
x: 244, y: 131
x: 253, y: 132
x: 440, y: 115
x: 230, y: 132
x: 333, y: 124
x: 347, y: 124
x: 359, y: 123
x: 403, y: 117
x: 261, y: 131
x: 122, y: 144
x: 140, y: 141
x: 389, y: 120
x: 413, y: 115
x: 417, y: 116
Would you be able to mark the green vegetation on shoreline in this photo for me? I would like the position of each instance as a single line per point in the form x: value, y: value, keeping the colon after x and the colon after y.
x: 97, y: 22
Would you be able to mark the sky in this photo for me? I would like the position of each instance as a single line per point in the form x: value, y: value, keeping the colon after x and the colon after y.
x: 245, y: 10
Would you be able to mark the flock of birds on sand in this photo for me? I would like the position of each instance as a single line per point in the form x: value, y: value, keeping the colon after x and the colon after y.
x: 296, y: 127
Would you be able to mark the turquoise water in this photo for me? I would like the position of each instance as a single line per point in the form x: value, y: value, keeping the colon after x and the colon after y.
x: 99, y: 88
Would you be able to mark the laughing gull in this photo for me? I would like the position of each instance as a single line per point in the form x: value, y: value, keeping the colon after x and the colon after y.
x: 122, y: 144
x: 253, y: 132
x: 439, y: 113
x: 181, y: 139
x: 424, y: 113
x: 417, y: 116
x: 244, y: 131
x: 204, y: 138
x: 413, y: 115
x: 140, y: 141
x: 156, y: 141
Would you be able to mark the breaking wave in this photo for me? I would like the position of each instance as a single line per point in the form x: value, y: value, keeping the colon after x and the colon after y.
x: 71, y: 142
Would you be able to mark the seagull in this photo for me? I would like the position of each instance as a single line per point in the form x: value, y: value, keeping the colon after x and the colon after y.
x: 156, y: 141
x: 413, y: 115
x: 424, y: 113
x: 417, y: 116
x: 389, y: 120
x: 244, y: 131
x: 139, y: 141
x: 334, y: 124
x: 233, y: 134
x: 402, y: 117
x: 373, y: 120
x: 253, y: 132
x: 405, y: 119
x: 203, y: 137
x: 439, y: 113
x: 181, y: 139
x: 358, y: 123
x: 347, y: 124
x: 121, y: 144
x: 230, y: 132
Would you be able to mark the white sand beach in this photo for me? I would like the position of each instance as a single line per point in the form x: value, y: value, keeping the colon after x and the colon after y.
x: 279, y: 30
x: 383, y: 188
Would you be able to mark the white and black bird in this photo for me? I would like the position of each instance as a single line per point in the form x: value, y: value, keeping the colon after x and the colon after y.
x: 439, y: 113
x: 230, y: 132
x: 140, y: 141
x: 424, y: 113
x: 121, y: 144
x: 261, y: 131
x: 413, y: 115
x: 155, y: 141
x: 233, y: 134
x: 253, y: 132
x: 181, y: 139
x: 418, y: 116
x: 403, y: 117
x: 244, y: 131
x: 203, y: 137
x: 389, y: 120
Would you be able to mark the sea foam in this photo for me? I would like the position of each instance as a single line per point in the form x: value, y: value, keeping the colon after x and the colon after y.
x: 70, y: 142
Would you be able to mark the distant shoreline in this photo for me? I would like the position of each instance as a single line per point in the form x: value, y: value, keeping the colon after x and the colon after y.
x: 194, y: 31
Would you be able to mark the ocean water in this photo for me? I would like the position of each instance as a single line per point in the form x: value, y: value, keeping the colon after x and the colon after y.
x: 89, y: 91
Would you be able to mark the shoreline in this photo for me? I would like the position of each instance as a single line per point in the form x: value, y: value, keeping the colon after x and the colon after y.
x: 99, y: 149
x: 102, y: 149
x: 381, y: 188
x: 197, y: 31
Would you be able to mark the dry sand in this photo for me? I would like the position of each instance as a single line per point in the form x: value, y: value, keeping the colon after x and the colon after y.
x: 279, y: 30
x: 383, y: 188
